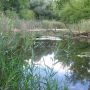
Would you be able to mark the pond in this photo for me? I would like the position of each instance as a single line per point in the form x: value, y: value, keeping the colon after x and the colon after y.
x: 68, y: 59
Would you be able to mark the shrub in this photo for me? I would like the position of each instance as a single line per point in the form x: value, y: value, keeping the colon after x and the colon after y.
x: 27, y: 14
x: 74, y: 11
x: 11, y: 14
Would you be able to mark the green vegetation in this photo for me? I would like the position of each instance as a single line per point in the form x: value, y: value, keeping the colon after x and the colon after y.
x: 27, y: 9
x: 16, y: 48
x: 18, y: 45
x: 75, y: 53
x: 27, y: 14
x: 72, y: 11
x: 66, y: 10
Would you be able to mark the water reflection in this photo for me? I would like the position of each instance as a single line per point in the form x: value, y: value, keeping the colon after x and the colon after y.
x: 65, y: 57
x: 69, y: 52
x: 43, y: 48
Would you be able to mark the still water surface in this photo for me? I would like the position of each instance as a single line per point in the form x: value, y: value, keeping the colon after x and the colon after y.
x: 69, y: 60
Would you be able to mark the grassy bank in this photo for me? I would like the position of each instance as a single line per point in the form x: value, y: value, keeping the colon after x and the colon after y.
x: 15, y: 49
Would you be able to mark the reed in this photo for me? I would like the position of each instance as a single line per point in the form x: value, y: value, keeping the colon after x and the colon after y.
x: 15, y: 72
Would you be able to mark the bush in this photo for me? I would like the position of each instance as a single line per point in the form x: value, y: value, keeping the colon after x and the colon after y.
x: 27, y: 14
x: 11, y: 14
x: 74, y: 11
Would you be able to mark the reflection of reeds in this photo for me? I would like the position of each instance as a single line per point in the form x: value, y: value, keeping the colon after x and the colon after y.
x: 39, y: 82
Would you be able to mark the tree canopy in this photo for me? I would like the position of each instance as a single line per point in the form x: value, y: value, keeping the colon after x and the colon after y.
x: 38, y: 8
x: 73, y: 10
x: 68, y: 11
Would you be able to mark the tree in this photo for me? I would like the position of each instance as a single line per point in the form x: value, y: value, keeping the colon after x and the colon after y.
x: 15, y: 5
x: 42, y: 9
x: 73, y: 11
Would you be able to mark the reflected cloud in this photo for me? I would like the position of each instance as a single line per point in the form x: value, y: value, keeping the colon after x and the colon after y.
x: 48, y: 61
x: 70, y: 64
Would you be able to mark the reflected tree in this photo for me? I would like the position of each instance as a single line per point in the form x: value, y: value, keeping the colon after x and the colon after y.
x: 72, y: 53
x: 43, y: 48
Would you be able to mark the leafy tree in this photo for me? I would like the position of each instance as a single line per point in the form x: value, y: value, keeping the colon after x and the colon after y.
x: 42, y: 9
x: 73, y: 11
x: 13, y: 4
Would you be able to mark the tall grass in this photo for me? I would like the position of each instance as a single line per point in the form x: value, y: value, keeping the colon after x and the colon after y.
x: 82, y: 26
x: 15, y: 72
x: 21, y: 24
x: 14, y: 49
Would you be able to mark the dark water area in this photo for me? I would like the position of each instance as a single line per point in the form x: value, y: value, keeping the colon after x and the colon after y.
x: 70, y: 59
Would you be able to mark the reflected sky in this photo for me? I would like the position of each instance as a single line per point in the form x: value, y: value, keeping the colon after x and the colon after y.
x: 65, y: 61
x: 48, y: 62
